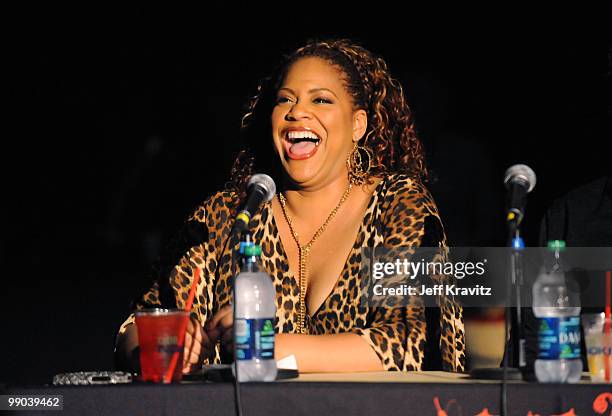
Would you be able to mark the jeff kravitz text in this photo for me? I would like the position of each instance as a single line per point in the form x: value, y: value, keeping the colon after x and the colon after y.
x: 436, y: 290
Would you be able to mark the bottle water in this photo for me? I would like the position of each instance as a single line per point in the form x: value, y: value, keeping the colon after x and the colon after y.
x: 255, y: 299
x: 558, y: 312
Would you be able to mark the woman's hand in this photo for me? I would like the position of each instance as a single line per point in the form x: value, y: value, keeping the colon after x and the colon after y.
x: 198, y: 346
x: 221, y: 327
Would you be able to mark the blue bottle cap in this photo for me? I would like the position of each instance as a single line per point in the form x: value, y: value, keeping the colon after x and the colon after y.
x: 518, y: 243
x: 248, y: 248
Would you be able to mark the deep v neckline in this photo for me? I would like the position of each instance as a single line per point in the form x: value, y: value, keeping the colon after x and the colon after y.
x: 362, y: 225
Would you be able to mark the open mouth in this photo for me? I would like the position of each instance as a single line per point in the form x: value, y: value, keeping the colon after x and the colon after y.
x: 301, y: 144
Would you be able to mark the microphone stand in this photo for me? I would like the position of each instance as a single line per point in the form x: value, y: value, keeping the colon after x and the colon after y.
x: 516, y: 273
x: 512, y: 321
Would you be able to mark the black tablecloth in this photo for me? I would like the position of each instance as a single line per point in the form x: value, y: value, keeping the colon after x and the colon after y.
x: 326, y: 398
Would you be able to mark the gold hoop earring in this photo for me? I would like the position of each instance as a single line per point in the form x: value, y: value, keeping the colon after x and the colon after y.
x: 359, y: 170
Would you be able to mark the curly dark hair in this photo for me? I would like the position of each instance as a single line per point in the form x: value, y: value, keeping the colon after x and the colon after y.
x: 390, y: 134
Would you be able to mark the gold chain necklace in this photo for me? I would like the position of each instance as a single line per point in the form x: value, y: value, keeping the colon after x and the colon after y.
x: 304, y: 250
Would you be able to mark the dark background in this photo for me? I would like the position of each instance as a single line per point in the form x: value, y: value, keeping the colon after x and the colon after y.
x: 118, y: 125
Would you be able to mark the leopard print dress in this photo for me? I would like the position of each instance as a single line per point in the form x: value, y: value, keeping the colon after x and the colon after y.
x: 401, y: 212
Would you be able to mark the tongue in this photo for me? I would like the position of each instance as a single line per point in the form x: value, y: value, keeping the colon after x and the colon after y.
x: 302, y: 148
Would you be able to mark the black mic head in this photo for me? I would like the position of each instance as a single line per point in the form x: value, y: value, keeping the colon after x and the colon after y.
x: 519, y: 180
x: 265, y: 183
x: 260, y: 189
x: 521, y: 174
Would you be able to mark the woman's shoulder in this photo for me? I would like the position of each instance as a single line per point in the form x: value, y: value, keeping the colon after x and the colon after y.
x: 217, y: 208
x: 403, y: 188
x: 409, y: 211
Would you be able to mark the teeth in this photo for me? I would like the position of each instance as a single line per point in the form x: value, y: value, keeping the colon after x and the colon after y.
x: 293, y: 135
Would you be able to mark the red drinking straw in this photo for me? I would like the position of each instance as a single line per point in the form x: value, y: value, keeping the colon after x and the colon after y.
x: 183, y: 328
x: 607, y: 323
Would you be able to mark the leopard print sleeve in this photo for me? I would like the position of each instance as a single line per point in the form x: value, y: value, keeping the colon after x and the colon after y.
x: 401, y: 337
x: 194, y: 247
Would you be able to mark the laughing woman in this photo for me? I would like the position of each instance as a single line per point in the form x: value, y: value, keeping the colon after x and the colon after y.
x: 334, y: 129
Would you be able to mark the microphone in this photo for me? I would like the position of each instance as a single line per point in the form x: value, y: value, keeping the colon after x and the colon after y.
x: 260, y: 189
x: 519, y: 180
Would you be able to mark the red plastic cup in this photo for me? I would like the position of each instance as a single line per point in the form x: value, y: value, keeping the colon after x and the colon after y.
x: 159, y: 339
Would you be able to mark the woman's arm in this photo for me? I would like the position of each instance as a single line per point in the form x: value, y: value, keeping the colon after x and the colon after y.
x: 126, y: 349
x: 327, y: 353
x: 313, y: 353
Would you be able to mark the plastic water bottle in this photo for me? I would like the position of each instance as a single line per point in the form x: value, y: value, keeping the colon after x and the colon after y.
x: 254, y: 320
x: 558, y: 310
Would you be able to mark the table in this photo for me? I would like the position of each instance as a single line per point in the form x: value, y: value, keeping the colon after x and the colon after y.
x: 384, y: 393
